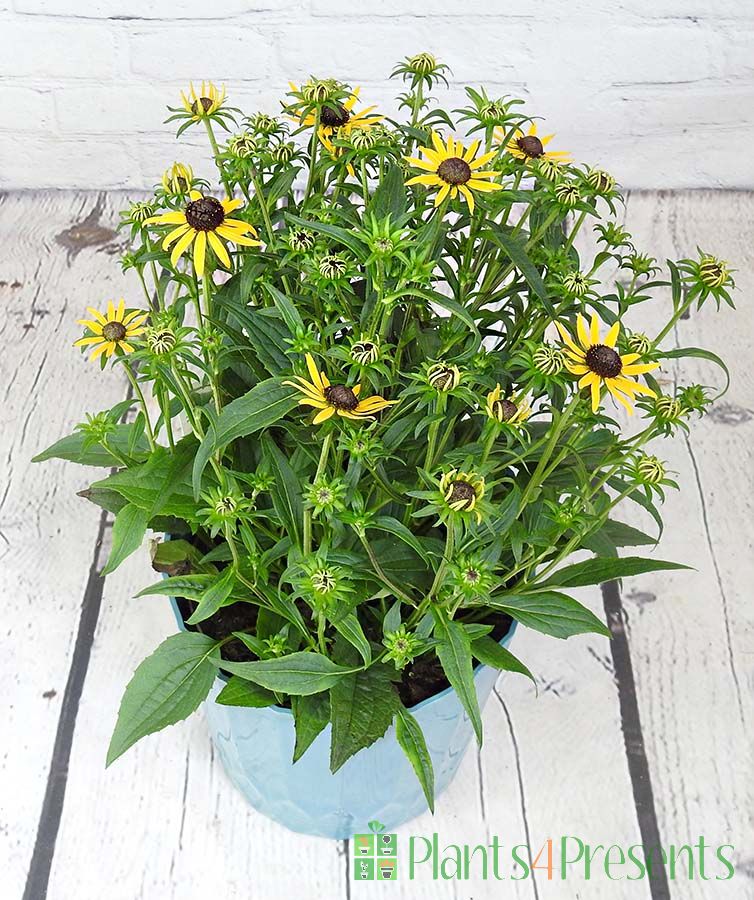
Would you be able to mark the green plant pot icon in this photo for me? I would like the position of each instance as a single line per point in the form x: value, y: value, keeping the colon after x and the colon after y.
x: 387, y: 870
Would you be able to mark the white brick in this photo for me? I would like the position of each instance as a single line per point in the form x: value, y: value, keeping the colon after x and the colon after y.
x: 148, y: 9
x: 200, y: 52
x: 110, y: 109
x: 26, y: 109
x: 51, y: 163
x: 56, y: 49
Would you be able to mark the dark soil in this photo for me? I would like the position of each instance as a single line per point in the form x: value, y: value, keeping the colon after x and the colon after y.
x: 421, y: 679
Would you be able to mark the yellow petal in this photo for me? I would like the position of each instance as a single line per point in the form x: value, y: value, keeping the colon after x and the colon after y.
x: 314, y: 372
x: 85, y: 341
x: 612, y: 336
x: 200, y: 251
x: 582, y: 332
x: 229, y: 205
x: 171, y: 218
x: 639, y: 369
x: 119, y: 313
x: 438, y: 144
x: 110, y: 311
x: 620, y: 398
x: 594, y: 331
x: 94, y: 327
x: 442, y: 194
x: 174, y: 235
x: 181, y: 246
x: 425, y: 179
x: 99, y: 350
x: 219, y: 248
x: 96, y: 314
x: 421, y: 163
x: 324, y: 415
x: 595, y: 395
x: 468, y: 195
x: 468, y: 156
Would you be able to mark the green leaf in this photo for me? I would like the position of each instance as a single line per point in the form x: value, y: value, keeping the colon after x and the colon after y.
x: 516, y: 250
x: 339, y: 234
x: 389, y: 199
x: 129, y: 528
x: 71, y: 448
x: 266, y: 331
x: 298, y: 673
x: 239, y: 692
x: 189, y: 587
x: 350, y: 627
x: 411, y: 739
x: 699, y: 353
x: 362, y: 706
x: 454, y: 652
x: 286, y: 491
x: 551, y: 613
x: 310, y: 715
x: 154, y: 482
x: 490, y: 653
x: 601, y: 569
x: 393, y: 526
x: 167, y: 687
x: 214, y: 597
x: 262, y: 406
x: 286, y: 308
x: 615, y: 534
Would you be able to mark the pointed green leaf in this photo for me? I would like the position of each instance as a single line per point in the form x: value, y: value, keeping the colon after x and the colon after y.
x: 262, y: 406
x: 129, y: 528
x: 239, y: 692
x: 600, y: 569
x: 490, y: 653
x: 310, y: 715
x: 350, y: 627
x: 362, y: 706
x: 454, y: 652
x: 188, y: 587
x: 298, y: 673
x: 550, y: 612
x: 167, y: 687
x: 214, y: 597
x: 411, y: 739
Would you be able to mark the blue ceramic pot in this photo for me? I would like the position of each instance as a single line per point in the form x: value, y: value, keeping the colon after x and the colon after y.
x: 256, y: 747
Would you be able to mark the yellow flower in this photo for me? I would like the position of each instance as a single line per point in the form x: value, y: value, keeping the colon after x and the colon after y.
x: 204, y: 220
x: 111, y: 331
x: 599, y: 363
x: 508, y: 410
x: 334, y: 399
x: 530, y: 146
x: 462, y: 491
x: 339, y: 120
x: 177, y: 179
x: 203, y: 104
x: 453, y: 168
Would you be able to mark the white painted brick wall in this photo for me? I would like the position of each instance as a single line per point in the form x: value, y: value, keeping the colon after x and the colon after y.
x: 660, y: 92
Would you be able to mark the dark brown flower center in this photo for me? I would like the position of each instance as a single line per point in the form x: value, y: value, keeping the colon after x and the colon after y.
x: 205, y: 214
x: 454, y: 170
x: 114, y: 331
x: 531, y: 146
x: 462, y: 492
x: 334, y: 116
x: 341, y: 397
x: 604, y: 361
x: 205, y: 102
x: 504, y: 410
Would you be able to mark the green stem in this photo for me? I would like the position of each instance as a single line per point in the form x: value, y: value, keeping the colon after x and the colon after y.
x: 323, y: 454
x: 312, y: 159
x: 265, y: 212
x: 383, y: 577
x: 216, y: 153
x: 143, y: 402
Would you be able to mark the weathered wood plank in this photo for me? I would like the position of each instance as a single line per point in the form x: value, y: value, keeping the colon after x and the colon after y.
x: 692, y: 634
x: 48, y: 274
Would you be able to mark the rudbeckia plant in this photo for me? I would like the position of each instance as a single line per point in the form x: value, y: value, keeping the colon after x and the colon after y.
x: 381, y: 371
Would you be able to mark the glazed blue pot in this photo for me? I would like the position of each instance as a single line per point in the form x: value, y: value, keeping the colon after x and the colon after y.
x: 256, y: 747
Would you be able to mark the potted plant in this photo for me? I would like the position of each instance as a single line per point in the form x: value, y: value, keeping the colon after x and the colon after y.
x: 377, y: 403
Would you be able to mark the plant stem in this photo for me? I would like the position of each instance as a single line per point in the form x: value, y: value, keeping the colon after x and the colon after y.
x: 143, y: 402
x: 323, y: 454
x: 216, y: 154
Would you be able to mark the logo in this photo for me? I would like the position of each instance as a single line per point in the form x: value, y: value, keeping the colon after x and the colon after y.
x: 375, y: 854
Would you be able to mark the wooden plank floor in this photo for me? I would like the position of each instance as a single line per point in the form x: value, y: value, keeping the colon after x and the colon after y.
x: 644, y: 738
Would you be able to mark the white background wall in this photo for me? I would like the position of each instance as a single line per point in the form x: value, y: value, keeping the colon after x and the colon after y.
x: 661, y: 92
